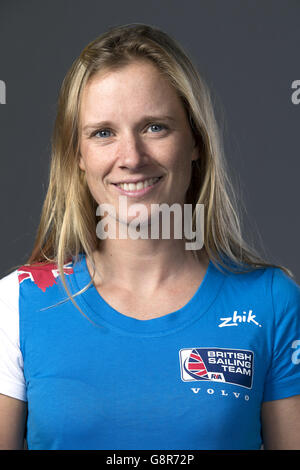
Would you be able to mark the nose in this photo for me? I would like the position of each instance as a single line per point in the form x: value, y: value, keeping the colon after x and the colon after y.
x: 131, y: 152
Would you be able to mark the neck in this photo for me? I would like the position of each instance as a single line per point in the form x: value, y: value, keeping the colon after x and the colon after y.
x: 144, y: 263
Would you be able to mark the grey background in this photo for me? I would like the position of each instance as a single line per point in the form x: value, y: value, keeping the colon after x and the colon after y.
x: 248, y: 52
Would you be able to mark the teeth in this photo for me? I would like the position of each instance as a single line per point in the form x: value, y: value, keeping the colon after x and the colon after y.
x: 139, y: 185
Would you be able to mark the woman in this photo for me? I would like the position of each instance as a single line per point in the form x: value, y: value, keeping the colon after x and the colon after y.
x: 140, y: 343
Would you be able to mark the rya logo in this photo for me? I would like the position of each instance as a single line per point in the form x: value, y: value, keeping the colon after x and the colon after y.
x: 236, y: 319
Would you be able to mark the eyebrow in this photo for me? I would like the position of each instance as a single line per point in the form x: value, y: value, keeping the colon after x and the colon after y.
x: 96, y: 125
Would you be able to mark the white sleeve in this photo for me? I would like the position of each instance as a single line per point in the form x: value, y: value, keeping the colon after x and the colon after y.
x: 12, y: 381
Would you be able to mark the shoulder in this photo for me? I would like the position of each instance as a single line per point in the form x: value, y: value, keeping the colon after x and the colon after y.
x: 12, y: 381
x: 9, y: 298
x: 42, y: 275
x: 276, y: 291
x: 270, y: 286
x: 285, y: 290
x: 267, y: 277
x: 256, y: 281
x: 9, y: 309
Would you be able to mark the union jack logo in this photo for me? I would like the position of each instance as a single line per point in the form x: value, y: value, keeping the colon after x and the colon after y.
x: 43, y: 275
x: 196, y: 365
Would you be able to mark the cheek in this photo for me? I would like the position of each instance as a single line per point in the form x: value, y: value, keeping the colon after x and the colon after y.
x: 93, y: 181
x: 180, y: 153
x: 90, y: 162
x: 93, y: 173
x: 180, y: 165
x: 88, y: 156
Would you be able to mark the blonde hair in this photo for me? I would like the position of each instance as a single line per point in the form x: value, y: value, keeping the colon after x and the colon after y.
x: 68, y: 220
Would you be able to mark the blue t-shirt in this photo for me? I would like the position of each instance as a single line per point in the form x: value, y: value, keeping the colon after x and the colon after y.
x: 193, y: 379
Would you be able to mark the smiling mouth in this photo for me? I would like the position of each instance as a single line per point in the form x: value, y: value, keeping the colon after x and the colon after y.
x: 138, y: 186
x: 139, y: 189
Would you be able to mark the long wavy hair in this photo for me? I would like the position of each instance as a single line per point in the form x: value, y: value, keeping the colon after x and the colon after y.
x: 68, y: 220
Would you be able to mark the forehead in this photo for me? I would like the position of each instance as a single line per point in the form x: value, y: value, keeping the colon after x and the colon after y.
x: 136, y: 85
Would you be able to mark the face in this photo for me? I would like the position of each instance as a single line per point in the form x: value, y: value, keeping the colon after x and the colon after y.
x: 133, y: 127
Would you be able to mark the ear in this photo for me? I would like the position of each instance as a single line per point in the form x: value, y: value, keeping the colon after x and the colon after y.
x: 81, y: 163
x: 195, y: 153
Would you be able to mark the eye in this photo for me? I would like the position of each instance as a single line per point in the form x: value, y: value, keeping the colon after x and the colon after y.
x: 102, y: 133
x: 157, y: 127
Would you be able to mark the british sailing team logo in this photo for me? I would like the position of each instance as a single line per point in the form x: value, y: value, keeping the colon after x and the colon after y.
x: 233, y: 366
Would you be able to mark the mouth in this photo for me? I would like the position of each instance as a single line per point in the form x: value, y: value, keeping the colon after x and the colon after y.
x: 138, y: 189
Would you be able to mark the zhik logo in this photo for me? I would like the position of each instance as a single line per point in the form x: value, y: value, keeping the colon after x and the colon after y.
x: 236, y: 319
